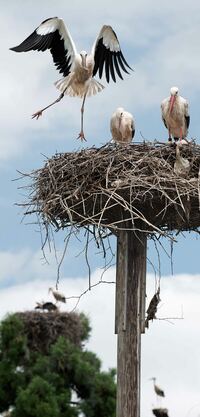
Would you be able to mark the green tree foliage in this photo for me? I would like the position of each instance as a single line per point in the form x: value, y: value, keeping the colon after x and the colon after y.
x: 38, y: 399
x: 65, y: 382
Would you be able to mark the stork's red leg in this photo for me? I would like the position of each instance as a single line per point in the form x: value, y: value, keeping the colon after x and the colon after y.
x: 181, y: 134
x: 81, y: 135
x: 39, y: 113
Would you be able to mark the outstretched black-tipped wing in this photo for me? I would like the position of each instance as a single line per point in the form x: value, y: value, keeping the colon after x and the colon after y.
x: 51, y: 34
x: 108, y: 56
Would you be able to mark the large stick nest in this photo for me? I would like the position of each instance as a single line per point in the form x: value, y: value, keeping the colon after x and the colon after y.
x: 43, y: 329
x: 119, y: 186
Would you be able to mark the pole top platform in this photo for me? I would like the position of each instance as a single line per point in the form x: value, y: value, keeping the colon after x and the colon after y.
x: 118, y: 187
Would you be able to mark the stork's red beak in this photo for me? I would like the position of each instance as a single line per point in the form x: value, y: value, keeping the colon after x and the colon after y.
x: 171, y: 103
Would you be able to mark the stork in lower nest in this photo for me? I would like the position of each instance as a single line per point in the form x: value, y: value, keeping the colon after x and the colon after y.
x: 57, y: 295
x: 159, y: 392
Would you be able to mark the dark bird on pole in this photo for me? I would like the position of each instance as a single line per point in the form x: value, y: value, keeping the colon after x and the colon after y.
x: 46, y: 306
x: 78, y: 69
x: 157, y: 389
x: 175, y: 115
x: 152, y: 309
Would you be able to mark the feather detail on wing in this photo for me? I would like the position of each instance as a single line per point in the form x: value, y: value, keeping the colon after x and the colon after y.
x: 78, y: 89
x: 164, y: 121
x: 51, y: 34
x: 108, y: 56
x: 163, y: 107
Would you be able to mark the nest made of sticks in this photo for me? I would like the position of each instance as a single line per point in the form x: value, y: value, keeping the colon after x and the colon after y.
x: 118, y: 186
x: 43, y: 329
x: 160, y: 412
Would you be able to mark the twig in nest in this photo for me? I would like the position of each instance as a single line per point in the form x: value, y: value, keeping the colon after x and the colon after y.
x: 87, y: 261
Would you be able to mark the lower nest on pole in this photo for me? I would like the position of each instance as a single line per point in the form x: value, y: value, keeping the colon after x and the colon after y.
x: 118, y: 186
x: 43, y: 329
x: 160, y: 412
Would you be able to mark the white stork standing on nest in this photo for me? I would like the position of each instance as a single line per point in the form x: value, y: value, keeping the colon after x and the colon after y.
x: 78, y: 69
x: 175, y: 115
x: 122, y: 126
x: 57, y: 295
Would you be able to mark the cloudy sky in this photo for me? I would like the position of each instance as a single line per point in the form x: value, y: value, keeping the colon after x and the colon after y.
x: 162, y: 45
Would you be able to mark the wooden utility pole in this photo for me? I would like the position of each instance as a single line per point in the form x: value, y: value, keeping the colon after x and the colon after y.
x: 129, y: 320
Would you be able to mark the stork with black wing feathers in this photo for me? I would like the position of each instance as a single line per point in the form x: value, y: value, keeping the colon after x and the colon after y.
x: 175, y: 116
x: 78, y: 69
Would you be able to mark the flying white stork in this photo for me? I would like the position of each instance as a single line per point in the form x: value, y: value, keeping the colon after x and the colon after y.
x: 78, y: 69
x: 175, y: 115
x: 58, y: 296
x: 157, y: 389
x: 122, y: 126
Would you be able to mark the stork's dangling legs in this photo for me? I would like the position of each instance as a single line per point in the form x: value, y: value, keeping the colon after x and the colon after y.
x: 39, y: 113
x: 81, y: 135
